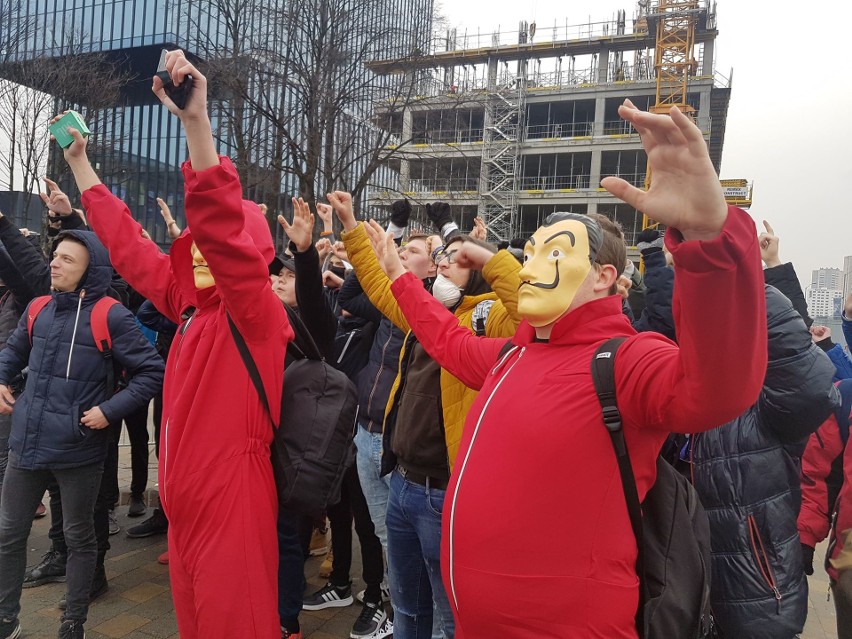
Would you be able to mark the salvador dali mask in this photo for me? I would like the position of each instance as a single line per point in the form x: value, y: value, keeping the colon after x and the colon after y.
x: 200, y: 271
x: 557, y: 259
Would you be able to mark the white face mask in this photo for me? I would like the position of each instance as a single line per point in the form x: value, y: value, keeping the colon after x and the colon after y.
x: 629, y: 269
x: 446, y: 292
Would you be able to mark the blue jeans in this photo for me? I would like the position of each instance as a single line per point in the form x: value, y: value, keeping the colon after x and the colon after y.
x: 414, y: 559
x: 22, y: 492
x: 374, y: 486
x: 5, y: 430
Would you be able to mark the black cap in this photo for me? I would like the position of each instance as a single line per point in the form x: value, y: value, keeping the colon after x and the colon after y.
x: 280, y: 262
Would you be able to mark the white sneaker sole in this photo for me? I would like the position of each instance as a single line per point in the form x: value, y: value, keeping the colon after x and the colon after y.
x: 385, y: 630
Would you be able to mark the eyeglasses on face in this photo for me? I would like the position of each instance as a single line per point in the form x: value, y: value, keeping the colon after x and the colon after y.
x: 440, y: 254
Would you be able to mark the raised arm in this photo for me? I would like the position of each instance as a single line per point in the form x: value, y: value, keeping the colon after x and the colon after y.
x: 500, y: 269
x: 779, y: 274
x: 231, y: 234
x: 314, y: 309
x: 353, y: 300
x: 454, y: 347
x: 137, y: 259
x: 719, y: 305
x: 28, y: 261
x: 373, y: 280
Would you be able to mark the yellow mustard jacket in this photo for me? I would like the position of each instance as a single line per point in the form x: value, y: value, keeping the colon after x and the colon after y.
x: 501, y: 273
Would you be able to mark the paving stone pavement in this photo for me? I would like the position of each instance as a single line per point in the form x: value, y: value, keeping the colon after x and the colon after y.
x: 139, y: 606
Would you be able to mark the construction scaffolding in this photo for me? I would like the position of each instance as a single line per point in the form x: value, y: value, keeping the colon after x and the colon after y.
x: 504, y: 126
x: 516, y: 125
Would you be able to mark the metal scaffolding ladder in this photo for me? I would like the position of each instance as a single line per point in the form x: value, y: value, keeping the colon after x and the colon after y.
x: 503, y: 133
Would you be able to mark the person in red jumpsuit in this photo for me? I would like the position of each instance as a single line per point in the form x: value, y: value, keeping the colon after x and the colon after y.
x: 534, y: 440
x: 215, y: 475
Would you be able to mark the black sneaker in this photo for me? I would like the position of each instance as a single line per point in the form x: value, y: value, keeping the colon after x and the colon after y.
x: 372, y: 617
x: 329, y: 596
x: 99, y: 587
x: 72, y: 629
x: 156, y: 524
x: 10, y: 629
x: 137, y: 506
x: 359, y: 597
x: 50, y: 569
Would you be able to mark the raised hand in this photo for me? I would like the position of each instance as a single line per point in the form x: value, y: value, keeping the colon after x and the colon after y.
x: 685, y: 192
x: 470, y: 255
x: 385, y: 249
x: 330, y: 280
x: 819, y: 333
x: 179, y: 67
x: 171, y: 226
x: 479, y: 230
x: 55, y: 200
x: 77, y: 149
x: 769, y: 244
x: 301, y: 231
x: 325, y: 213
x: 343, y: 208
x: 339, y: 250
x: 323, y: 248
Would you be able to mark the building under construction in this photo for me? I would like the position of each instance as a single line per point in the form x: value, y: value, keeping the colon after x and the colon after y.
x: 514, y: 126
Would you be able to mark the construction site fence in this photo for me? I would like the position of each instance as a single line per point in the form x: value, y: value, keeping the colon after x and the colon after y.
x: 554, y: 80
x: 525, y: 183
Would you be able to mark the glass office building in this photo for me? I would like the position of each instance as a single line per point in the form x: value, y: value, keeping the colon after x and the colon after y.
x: 141, y: 160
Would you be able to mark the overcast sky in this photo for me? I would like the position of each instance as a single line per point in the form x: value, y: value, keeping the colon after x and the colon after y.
x: 790, y: 117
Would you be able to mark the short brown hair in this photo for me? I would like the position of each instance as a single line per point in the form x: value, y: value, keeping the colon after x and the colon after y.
x: 613, y: 249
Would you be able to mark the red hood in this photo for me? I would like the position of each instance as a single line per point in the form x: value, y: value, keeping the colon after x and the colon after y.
x: 180, y: 254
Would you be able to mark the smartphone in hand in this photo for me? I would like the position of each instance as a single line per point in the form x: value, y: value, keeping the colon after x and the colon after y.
x: 179, y: 95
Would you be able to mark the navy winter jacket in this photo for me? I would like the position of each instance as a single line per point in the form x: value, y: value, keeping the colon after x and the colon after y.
x: 747, y: 476
x: 376, y: 379
x: 68, y: 375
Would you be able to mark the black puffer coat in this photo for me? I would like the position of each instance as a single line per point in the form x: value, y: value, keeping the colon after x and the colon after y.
x: 63, y: 382
x: 747, y: 475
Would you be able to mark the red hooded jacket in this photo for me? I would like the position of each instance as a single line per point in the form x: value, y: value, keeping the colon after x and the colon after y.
x: 826, y: 489
x: 215, y: 475
x: 534, y: 441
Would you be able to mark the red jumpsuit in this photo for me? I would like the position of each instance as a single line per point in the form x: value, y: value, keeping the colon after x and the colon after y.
x: 534, y: 440
x: 215, y: 476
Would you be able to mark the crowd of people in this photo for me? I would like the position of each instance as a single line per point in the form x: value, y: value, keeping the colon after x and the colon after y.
x: 479, y: 418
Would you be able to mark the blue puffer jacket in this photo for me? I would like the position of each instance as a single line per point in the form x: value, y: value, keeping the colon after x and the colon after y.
x: 747, y: 475
x: 376, y: 378
x: 46, y: 428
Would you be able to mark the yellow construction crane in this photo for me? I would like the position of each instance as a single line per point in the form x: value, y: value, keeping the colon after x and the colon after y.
x: 675, y: 22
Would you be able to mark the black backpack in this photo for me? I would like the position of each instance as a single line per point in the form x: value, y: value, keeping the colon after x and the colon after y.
x: 352, y: 346
x: 671, y: 528
x: 312, y: 448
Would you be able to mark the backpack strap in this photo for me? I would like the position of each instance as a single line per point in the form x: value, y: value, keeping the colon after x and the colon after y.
x: 843, y: 413
x: 603, y: 376
x: 248, y: 361
x: 100, y: 326
x: 103, y: 340
x: 35, y: 307
x: 254, y: 375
